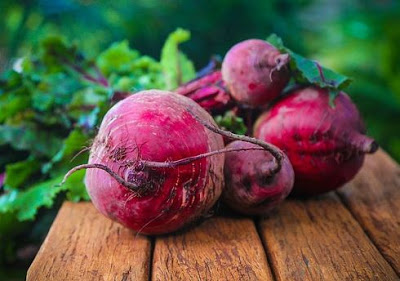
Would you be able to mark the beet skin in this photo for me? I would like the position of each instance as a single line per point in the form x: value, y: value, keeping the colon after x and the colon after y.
x: 252, y: 187
x: 325, y: 144
x: 255, y: 72
x: 155, y: 126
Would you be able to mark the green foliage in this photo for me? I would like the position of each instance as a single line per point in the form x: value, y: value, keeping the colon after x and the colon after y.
x: 231, y: 122
x: 26, y: 203
x: 61, y: 162
x: 127, y: 70
x: 28, y: 136
x: 38, y: 127
x: 176, y: 66
x: 17, y: 173
x: 117, y: 58
x: 306, y: 71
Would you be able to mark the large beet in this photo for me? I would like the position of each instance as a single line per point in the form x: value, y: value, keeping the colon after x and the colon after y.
x: 138, y: 139
x: 325, y: 144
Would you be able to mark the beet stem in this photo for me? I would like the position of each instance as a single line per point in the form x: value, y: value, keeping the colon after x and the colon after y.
x: 151, y: 164
x: 185, y: 161
x: 373, y: 147
x: 363, y: 143
x: 275, y: 151
x: 281, y: 61
x: 119, y: 179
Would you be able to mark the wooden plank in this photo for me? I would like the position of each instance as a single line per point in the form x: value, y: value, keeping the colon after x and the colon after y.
x: 218, y: 249
x: 373, y: 197
x: 318, y: 239
x: 84, y: 245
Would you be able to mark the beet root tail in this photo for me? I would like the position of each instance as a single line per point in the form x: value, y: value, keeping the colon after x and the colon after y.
x: 364, y: 143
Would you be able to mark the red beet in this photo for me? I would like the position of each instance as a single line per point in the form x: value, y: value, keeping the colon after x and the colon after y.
x: 139, y: 140
x: 253, y: 186
x: 208, y: 91
x: 255, y: 72
x: 325, y: 144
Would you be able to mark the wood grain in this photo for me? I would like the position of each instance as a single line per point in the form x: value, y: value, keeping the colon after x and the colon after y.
x: 318, y: 239
x: 219, y: 249
x: 373, y: 197
x: 354, y: 237
x: 83, y: 245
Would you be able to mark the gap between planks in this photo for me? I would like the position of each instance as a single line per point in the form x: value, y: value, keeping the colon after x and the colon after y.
x: 152, y: 245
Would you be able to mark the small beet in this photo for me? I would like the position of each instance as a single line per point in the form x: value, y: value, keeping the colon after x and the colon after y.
x: 325, y: 144
x: 253, y: 187
x: 255, y: 72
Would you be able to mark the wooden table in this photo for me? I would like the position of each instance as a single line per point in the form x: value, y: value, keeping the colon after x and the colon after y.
x: 351, y: 234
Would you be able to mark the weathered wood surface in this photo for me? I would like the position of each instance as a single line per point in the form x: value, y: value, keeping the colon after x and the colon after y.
x: 353, y: 236
x: 219, y: 249
x: 373, y: 197
x: 83, y: 245
x: 318, y: 239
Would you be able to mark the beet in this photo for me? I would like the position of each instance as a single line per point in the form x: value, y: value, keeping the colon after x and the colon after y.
x: 325, y: 144
x: 208, y: 91
x: 252, y: 186
x: 156, y: 164
x: 131, y: 176
x: 255, y: 72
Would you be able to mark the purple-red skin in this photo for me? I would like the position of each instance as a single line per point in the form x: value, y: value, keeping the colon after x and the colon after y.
x: 208, y: 91
x: 255, y: 72
x: 251, y: 188
x: 325, y: 144
x: 155, y: 126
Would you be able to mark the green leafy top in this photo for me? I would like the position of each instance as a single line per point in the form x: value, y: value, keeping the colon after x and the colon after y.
x: 231, y: 122
x: 176, y: 66
x: 306, y: 71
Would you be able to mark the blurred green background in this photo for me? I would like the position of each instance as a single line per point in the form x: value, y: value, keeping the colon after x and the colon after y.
x: 360, y: 39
